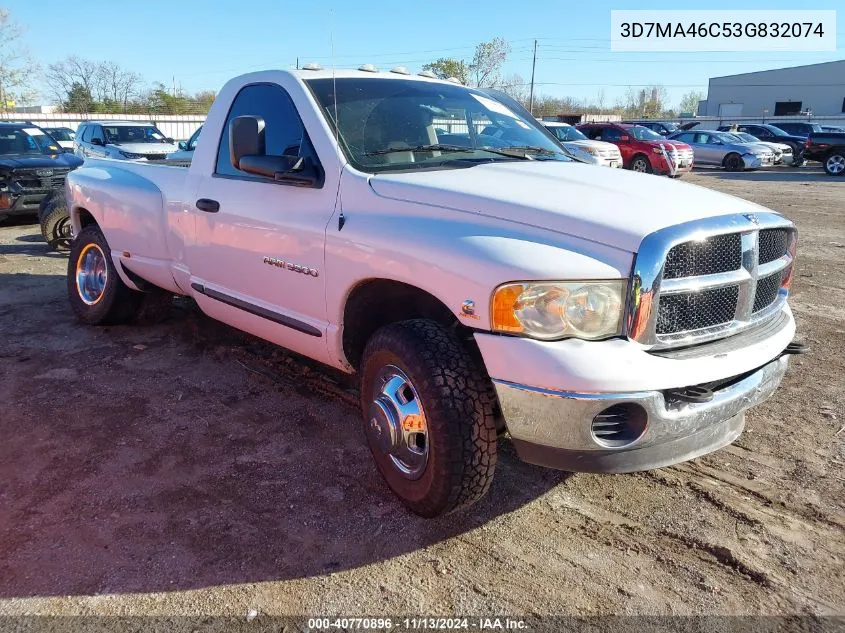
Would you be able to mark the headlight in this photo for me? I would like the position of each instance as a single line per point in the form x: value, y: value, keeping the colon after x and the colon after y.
x: 589, y: 150
x: 130, y: 155
x: 550, y: 310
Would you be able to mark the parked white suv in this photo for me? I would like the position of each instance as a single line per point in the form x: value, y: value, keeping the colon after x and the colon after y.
x: 122, y: 140
x: 186, y: 148
x: 584, y: 149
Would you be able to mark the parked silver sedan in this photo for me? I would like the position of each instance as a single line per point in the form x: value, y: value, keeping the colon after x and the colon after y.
x: 783, y: 152
x: 725, y: 150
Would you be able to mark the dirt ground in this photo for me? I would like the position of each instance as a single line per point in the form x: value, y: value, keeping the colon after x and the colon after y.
x: 185, y: 468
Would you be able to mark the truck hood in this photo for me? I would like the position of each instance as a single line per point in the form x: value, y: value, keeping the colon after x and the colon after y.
x: 608, y: 206
x: 9, y: 162
x: 600, y: 145
x: 145, y: 148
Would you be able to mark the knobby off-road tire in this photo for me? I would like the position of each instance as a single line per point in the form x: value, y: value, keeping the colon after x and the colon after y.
x: 98, y: 295
x: 55, y: 224
x: 456, y: 402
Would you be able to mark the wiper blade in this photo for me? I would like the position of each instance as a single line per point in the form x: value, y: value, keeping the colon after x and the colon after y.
x: 528, y: 148
x: 420, y: 148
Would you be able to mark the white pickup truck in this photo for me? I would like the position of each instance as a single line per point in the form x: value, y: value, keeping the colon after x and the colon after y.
x: 604, y: 320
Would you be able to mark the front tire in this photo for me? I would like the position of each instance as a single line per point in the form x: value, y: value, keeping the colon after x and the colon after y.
x: 55, y: 224
x: 429, y: 417
x: 640, y: 164
x: 834, y: 164
x: 733, y: 162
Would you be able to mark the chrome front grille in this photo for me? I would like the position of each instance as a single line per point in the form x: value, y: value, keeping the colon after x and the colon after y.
x: 709, y: 279
x: 717, y: 254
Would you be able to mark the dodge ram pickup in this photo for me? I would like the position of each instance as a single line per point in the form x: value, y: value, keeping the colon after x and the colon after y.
x: 480, y: 288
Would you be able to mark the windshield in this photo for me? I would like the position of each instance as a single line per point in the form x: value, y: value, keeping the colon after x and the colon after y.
x: 61, y: 133
x: 132, y: 134
x: 644, y: 134
x: 409, y: 124
x: 746, y: 137
x: 26, y: 141
x: 567, y: 133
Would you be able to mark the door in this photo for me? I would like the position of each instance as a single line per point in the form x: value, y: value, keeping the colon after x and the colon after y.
x: 730, y: 109
x: 257, y: 260
x: 88, y: 147
x: 614, y: 135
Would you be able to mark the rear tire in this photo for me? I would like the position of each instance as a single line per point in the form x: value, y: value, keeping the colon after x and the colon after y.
x: 429, y: 417
x: 97, y: 294
x: 733, y: 162
x: 834, y: 164
x: 640, y: 164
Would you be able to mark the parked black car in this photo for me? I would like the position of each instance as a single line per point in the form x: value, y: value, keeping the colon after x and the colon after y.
x: 664, y: 128
x: 829, y: 149
x: 32, y: 165
x: 772, y: 134
x: 799, y: 128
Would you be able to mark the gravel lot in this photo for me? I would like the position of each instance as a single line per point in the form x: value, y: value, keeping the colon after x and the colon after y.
x: 189, y: 469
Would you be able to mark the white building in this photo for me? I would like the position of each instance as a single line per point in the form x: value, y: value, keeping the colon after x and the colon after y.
x: 817, y: 88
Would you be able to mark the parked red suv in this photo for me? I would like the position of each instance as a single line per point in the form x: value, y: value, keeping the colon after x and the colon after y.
x: 642, y: 149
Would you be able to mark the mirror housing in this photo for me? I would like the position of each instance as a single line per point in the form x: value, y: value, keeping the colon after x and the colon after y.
x: 97, y: 141
x: 183, y: 145
x: 169, y: 140
x: 287, y: 170
x: 246, y: 138
x: 624, y: 139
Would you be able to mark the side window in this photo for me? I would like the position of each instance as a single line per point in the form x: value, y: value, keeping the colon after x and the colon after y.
x: 283, y: 129
x: 86, y: 133
x: 611, y: 134
x: 592, y: 132
x: 687, y: 137
x: 700, y: 138
x: 97, y: 132
x: 192, y: 142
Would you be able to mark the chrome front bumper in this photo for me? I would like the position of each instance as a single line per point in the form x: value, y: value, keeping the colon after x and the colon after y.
x: 554, y: 428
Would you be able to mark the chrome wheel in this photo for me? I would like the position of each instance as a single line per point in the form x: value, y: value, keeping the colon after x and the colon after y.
x: 397, y: 425
x: 640, y: 165
x: 835, y: 165
x: 91, y: 274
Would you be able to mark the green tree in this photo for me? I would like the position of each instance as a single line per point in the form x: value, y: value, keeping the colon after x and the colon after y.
x: 447, y: 67
x: 79, y: 99
x: 487, y: 62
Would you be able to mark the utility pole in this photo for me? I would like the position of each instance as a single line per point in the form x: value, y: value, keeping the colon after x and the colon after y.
x: 533, y: 66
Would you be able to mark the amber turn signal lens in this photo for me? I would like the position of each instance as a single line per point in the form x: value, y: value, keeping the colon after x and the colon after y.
x: 5, y: 201
x: 505, y: 304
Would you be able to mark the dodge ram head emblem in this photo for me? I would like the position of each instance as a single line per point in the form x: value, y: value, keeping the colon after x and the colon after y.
x: 751, y: 218
x: 43, y: 173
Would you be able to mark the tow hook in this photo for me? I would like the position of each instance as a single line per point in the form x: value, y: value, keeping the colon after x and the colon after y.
x: 795, y: 348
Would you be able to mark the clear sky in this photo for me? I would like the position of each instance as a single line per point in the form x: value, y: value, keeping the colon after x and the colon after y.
x: 204, y: 42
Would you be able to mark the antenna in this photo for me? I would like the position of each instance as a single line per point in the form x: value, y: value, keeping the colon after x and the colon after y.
x: 341, y: 220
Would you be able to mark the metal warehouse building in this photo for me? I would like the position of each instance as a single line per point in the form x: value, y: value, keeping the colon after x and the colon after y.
x: 819, y: 88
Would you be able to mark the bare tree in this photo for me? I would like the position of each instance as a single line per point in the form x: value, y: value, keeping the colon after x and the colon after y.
x: 116, y: 84
x: 689, y: 102
x: 72, y: 71
x: 17, y: 67
x: 515, y: 86
x: 487, y: 62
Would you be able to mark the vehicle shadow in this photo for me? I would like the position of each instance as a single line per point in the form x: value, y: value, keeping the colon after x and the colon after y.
x: 775, y: 174
x: 185, y: 455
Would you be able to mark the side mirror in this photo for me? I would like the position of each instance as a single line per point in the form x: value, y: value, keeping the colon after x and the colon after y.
x: 183, y: 145
x: 624, y: 139
x: 97, y: 141
x: 169, y: 140
x: 246, y: 138
x: 289, y: 170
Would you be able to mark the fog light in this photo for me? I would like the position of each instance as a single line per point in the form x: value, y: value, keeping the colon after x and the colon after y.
x: 6, y: 200
x: 619, y: 425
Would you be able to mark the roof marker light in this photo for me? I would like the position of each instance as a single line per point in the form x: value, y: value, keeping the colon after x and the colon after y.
x: 400, y: 70
x: 454, y: 80
x: 312, y: 66
x: 368, y: 68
